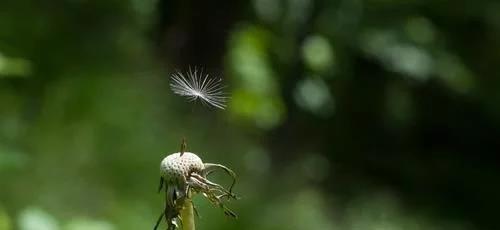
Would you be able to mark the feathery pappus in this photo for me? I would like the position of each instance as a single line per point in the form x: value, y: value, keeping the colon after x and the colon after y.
x: 196, y: 86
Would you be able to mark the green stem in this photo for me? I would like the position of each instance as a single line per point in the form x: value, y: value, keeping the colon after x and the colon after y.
x: 187, y: 215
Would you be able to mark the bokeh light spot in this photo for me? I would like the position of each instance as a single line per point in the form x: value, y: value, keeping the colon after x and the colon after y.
x: 317, y: 53
x: 420, y: 30
x: 34, y: 218
x: 314, y: 96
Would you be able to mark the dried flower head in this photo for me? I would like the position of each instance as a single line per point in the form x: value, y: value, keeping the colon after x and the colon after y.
x: 185, y: 175
x: 199, y: 86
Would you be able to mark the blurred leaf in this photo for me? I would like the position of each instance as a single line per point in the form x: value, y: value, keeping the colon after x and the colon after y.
x: 255, y: 96
x: 454, y: 73
x: 397, y: 55
x: 11, y: 159
x: 14, y: 67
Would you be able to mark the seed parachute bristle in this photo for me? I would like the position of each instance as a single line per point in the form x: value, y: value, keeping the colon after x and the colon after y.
x: 198, y: 86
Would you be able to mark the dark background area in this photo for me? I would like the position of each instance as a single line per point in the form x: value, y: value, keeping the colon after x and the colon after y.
x: 349, y: 114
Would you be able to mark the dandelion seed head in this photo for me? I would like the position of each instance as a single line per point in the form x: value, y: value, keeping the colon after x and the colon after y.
x: 198, y: 86
x: 185, y: 175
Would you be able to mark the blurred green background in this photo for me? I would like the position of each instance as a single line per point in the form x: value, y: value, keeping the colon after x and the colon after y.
x: 344, y: 114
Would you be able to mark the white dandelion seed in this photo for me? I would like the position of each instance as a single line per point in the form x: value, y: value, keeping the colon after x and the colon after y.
x: 196, y: 86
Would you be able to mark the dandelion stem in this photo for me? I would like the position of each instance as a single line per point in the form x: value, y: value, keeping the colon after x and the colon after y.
x: 187, y: 215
